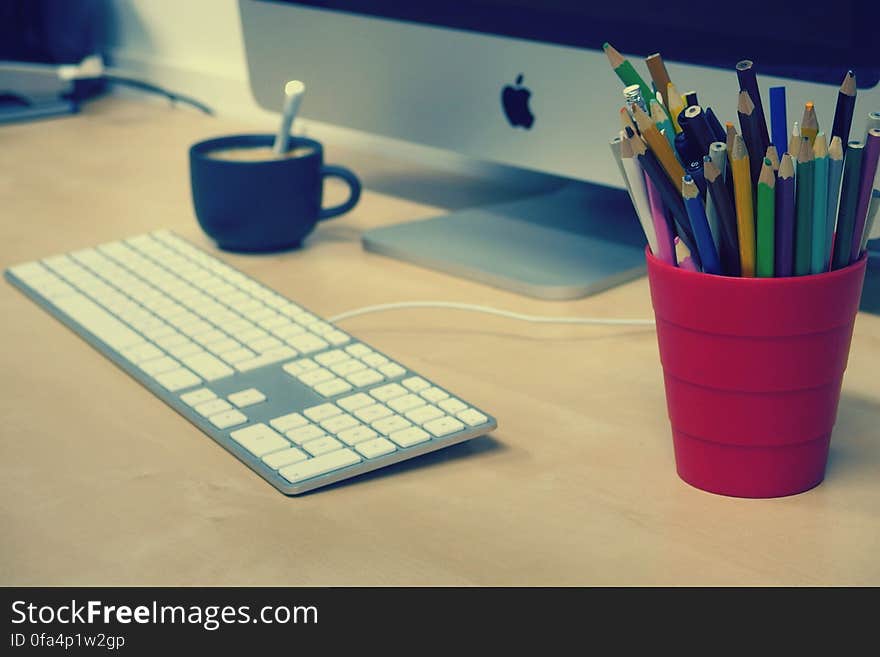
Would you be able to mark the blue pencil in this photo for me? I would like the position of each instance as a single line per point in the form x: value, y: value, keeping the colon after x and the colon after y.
x: 696, y: 210
x: 819, y: 251
x: 835, y: 174
x: 778, y: 119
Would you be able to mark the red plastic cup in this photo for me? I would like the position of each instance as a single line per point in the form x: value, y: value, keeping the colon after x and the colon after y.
x: 753, y: 369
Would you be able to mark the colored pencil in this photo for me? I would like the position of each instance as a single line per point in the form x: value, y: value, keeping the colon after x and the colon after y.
x: 670, y: 194
x: 660, y: 147
x: 745, y: 216
x: 657, y: 69
x: 803, y: 247
x: 684, y: 256
x: 748, y: 81
x: 717, y: 129
x: 766, y: 230
x: 664, y: 232
x: 731, y: 135
x: 866, y: 183
x: 632, y: 95
x: 849, y: 198
x: 684, y: 147
x: 698, y: 129
x: 773, y: 156
x: 712, y: 212
x: 819, y: 254
x: 661, y: 120
x: 690, y: 98
x: 626, y: 120
x: 843, y: 112
x: 873, y: 122
x: 700, y: 225
x: 778, y: 116
x: 674, y: 104
x: 785, y: 216
x: 794, y: 140
x: 810, y: 123
x: 635, y: 180
x: 625, y: 70
x: 695, y: 171
x: 748, y: 123
x: 835, y: 173
x: 728, y: 246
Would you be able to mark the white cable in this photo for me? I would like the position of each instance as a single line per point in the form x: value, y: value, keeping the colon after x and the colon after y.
x: 491, y: 311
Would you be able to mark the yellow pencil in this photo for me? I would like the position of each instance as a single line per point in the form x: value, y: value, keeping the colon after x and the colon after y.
x: 809, y: 123
x: 659, y: 145
x: 745, y: 216
x: 674, y: 104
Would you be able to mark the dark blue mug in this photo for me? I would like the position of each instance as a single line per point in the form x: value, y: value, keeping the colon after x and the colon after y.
x: 263, y: 205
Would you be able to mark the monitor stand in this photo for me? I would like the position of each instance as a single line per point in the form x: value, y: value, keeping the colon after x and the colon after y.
x: 565, y: 244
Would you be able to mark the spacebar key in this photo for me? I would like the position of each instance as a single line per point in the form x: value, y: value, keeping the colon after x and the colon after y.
x: 319, y: 465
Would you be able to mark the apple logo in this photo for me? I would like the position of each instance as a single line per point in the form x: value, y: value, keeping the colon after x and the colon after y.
x: 515, y: 102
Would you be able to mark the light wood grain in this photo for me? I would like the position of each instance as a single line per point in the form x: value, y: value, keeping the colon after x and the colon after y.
x: 101, y: 483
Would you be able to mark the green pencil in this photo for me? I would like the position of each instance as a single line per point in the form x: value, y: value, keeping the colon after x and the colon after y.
x: 626, y: 72
x: 819, y: 259
x: 803, y: 241
x: 766, y: 243
x: 849, y: 198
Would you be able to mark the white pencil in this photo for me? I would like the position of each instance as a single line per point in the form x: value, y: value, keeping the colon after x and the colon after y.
x: 293, y: 94
x: 636, y: 179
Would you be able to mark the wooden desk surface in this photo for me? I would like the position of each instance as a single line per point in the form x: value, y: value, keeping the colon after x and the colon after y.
x: 102, y: 484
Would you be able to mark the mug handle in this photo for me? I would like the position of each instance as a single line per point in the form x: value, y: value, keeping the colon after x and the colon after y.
x: 354, y: 186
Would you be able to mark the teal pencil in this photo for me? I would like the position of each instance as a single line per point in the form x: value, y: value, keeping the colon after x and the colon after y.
x: 661, y: 118
x: 835, y: 174
x: 819, y: 257
x: 803, y: 234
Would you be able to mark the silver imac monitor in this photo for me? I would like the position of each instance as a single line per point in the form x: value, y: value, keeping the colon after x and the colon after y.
x: 525, y: 83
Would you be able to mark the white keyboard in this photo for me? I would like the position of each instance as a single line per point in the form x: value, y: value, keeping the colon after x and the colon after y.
x: 299, y: 401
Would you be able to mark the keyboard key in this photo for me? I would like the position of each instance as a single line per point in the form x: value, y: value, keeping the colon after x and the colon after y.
x: 287, y: 422
x: 472, y: 417
x: 284, y: 457
x: 331, y: 357
x: 319, y: 465
x: 268, y: 358
x: 159, y: 365
x: 416, y: 384
x: 443, y: 426
x: 207, y: 337
x: 375, y: 448
x: 228, y: 419
x: 358, y: 350
x: 405, y: 403
x: 332, y: 388
x: 300, y: 366
x: 305, y: 434
x: 375, y: 360
x: 356, y: 435
x: 184, y: 350
x: 452, y: 405
x: 392, y: 390
x: 197, y: 397
x: 337, y: 338
x: 222, y: 347
x: 321, y: 412
x: 237, y: 356
x: 142, y: 352
x: 207, y: 366
x: 339, y: 423
x: 424, y: 414
x: 314, y: 377
x: 321, y: 328
x: 434, y: 394
x: 264, y: 344
x: 247, y: 397
x: 409, y: 437
x: 364, y: 378
x: 372, y: 413
x: 288, y: 330
x: 392, y: 370
x: 306, y: 343
x: 212, y: 407
x: 322, y: 445
x: 177, y: 379
x: 347, y: 367
x: 259, y: 439
x: 391, y: 424
x: 354, y: 402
